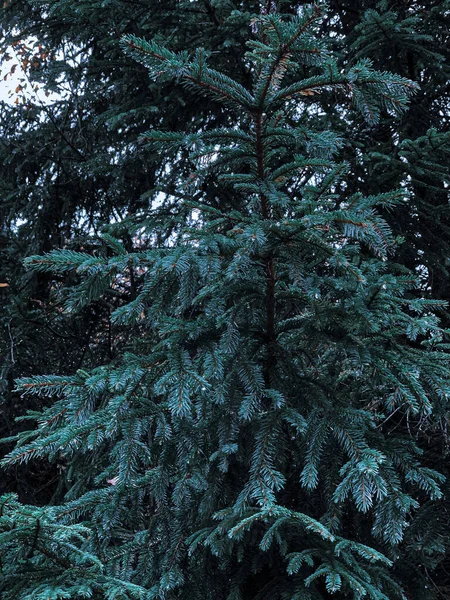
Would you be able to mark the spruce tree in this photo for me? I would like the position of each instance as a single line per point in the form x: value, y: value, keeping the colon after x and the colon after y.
x: 240, y: 444
x: 70, y: 162
x: 411, y: 39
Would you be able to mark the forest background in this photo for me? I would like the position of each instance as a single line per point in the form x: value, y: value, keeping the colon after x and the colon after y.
x: 77, y: 176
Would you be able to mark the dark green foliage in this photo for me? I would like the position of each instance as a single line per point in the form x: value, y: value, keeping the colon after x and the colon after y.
x: 246, y: 440
x: 411, y: 39
x: 70, y: 163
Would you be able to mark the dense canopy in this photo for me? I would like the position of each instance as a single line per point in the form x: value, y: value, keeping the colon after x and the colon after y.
x: 224, y: 279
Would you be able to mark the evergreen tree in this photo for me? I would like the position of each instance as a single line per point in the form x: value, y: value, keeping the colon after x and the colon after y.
x: 411, y: 39
x: 70, y: 163
x: 240, y: 445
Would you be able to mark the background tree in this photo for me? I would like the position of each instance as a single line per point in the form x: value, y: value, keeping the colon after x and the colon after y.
x: 412, y: 39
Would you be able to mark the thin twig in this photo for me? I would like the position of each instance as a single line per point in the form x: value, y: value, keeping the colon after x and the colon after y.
x: 13, y: 360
